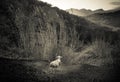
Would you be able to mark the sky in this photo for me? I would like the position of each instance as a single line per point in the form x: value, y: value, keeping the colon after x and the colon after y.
x: 87, y: 4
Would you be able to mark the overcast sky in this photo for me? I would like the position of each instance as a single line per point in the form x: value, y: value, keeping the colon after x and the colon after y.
x: 87, y: 4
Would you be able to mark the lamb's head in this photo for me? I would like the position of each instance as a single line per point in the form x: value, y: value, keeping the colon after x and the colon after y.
x: 58, y: 57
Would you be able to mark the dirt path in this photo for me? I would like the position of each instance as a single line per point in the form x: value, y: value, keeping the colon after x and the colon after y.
x: 39, y: 71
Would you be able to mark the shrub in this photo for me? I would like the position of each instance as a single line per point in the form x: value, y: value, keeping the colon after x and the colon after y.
x: 97, y: 53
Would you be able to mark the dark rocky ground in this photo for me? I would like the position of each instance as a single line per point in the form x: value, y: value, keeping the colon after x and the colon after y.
x: 39, y: 71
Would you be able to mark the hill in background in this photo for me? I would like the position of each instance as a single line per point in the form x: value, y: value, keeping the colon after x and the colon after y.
x: 110, y: 18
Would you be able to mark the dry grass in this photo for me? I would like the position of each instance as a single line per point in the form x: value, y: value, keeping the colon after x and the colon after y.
x: 97, y: 53
x: 42, y: 42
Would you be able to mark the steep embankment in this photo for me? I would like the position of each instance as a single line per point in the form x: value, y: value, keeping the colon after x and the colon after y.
x: 33, y: 29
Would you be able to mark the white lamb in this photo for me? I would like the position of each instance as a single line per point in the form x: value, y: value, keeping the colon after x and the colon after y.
x: 56, y: 62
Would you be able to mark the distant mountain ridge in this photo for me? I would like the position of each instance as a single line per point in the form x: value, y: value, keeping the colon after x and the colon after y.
x: 83, y: 12
x: 111, y: 18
